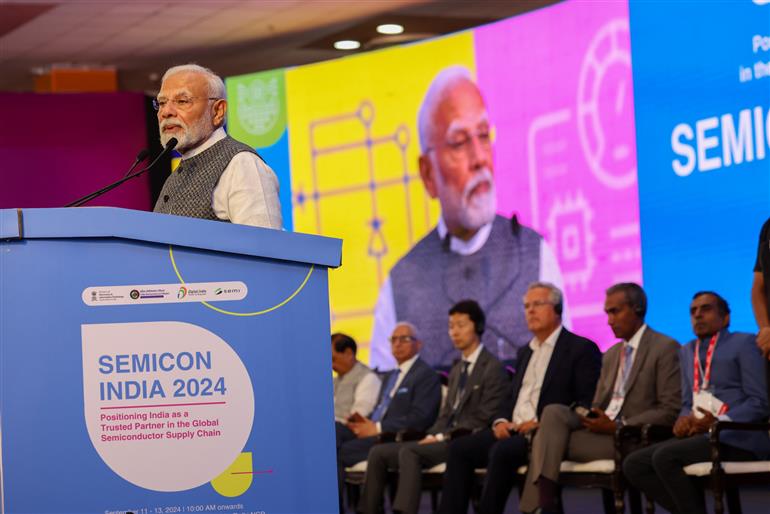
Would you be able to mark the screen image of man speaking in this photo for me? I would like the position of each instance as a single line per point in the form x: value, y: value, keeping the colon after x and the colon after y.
x: 472, y: 252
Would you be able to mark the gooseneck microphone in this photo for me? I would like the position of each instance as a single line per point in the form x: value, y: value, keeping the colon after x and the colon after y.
x: 166, y: 150
x: 142, y: 155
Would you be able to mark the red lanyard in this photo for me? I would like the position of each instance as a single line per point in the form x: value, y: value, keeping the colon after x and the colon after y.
x: 696, y: 364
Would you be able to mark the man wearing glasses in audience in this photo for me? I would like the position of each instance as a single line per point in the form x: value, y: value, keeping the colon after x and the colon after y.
x: 722, y: 379
x: 472, y: 252
x: 639, y: 383
x: 409, y: 399
x: 218, y: 178
x: 477, y: 388
x: 556, y: 366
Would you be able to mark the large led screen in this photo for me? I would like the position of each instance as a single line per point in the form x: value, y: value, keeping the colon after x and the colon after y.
x: 606, y: 122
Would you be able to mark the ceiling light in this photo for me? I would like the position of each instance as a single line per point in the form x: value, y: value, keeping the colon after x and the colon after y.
x: 347, y: 44
x: 390, y: 28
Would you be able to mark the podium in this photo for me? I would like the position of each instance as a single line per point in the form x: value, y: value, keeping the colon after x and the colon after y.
x: 157, y: 364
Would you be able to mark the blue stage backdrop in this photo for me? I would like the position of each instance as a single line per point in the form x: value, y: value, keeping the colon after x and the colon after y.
x: 702, y: 91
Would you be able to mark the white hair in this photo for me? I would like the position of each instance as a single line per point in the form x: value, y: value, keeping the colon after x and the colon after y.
x: 411, y: 327
x: 215, y: 82
x: 445, y: 79
x: 555, y: 296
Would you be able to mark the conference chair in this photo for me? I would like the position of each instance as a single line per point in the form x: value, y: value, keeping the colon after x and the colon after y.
x: 724, y: 478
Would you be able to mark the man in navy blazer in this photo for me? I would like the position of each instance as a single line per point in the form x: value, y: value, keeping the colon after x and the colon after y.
x: 726, y: 382
x: 557, y: 366
x: 409, y: 399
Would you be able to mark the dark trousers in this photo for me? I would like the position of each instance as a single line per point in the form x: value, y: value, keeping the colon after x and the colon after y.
x: 481, y: 450
x: 345, y: 437
x: 658, y: 472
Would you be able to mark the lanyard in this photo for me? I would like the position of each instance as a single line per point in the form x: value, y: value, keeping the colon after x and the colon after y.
x: 696, y: 372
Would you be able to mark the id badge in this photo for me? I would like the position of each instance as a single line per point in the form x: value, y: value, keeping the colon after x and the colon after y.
x: 708, y: 402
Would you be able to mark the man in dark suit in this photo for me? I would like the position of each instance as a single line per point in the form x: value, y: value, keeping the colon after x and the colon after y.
x: 477, y: 387
x: 722, y: 378
x: 409, y: 399
x: 556, y: 366
x: 639, y: 383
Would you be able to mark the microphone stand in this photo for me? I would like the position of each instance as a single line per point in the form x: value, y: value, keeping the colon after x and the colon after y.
x: 87, y: 198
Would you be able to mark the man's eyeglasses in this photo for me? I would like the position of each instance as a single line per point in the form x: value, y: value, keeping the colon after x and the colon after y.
x: 536, y: 303
x: 401, y: 339
x: 182, y: 103
x: 462, y: 141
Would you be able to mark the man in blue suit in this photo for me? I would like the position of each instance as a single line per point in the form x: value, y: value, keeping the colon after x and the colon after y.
x: 723, y: 377
x: 557, y: 366
x: 409, y: 399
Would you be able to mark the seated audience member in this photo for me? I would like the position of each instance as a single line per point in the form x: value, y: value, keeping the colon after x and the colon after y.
x: 722, y: 378
x: 556, y: 366
x: 477, y: 388
x: 639, y: 383
x: 409, y: 399
x: 355, y: 387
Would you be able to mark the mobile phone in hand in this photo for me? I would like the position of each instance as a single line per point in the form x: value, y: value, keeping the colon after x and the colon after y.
x: 584, y: 412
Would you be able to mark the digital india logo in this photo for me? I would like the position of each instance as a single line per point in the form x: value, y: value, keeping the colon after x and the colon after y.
x: 182, y: 292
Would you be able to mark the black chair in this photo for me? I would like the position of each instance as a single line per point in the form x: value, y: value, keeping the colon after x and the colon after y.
x: 607, y: 474
x: 725, y: 478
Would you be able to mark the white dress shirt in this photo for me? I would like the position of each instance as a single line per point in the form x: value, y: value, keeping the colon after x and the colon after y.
x: 247, y: 191
x: 532, y: 384
x: 385, y: 310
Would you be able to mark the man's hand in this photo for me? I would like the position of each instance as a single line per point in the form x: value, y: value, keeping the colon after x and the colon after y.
x: 702, y: 425
x: 526, y: 427
x: 502, y: 430
x: 763, y: 341
x: 365, y: 428
x: 601, y: 424
x: 682, y: 425
x: 428, y: 439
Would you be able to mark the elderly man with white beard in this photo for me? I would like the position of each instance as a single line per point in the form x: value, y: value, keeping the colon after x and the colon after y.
x: 472, y: 252
x: 218, y: 177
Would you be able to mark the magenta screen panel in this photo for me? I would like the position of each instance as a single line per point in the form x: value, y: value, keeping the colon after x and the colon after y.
x: 559, y: 91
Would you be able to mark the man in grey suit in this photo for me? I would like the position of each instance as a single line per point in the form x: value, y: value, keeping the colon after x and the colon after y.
x: 639, y: 383
x: 477, y: 388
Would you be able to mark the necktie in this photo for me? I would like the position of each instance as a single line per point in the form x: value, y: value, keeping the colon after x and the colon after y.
x: 629, y: 351
x: 382, y: 407
x: 461, y: 384
x: 459, y: 394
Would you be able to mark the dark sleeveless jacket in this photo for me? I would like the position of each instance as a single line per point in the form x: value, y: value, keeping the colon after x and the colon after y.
x: 189, y: 191
x: 429, y: 279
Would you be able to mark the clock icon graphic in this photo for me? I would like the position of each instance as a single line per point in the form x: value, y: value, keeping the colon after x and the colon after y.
x: 605, y: 109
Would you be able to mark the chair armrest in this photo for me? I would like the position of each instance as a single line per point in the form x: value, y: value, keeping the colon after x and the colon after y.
x: 719, y: 426
x: 623, y: 434
x: 652, y: 434
x: 387, y: 437
x: 409, y: 435
x: 459, y: 432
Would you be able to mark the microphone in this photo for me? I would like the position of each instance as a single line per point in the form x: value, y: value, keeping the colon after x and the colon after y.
x: 170, y: 145
x: 142, y: 155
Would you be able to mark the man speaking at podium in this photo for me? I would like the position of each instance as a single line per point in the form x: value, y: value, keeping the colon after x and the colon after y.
x: 218, y: 178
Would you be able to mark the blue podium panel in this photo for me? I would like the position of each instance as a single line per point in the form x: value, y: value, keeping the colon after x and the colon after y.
x: 158, y: 364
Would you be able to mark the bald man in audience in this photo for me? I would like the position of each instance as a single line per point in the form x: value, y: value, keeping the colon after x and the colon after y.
x: 409, y: 399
